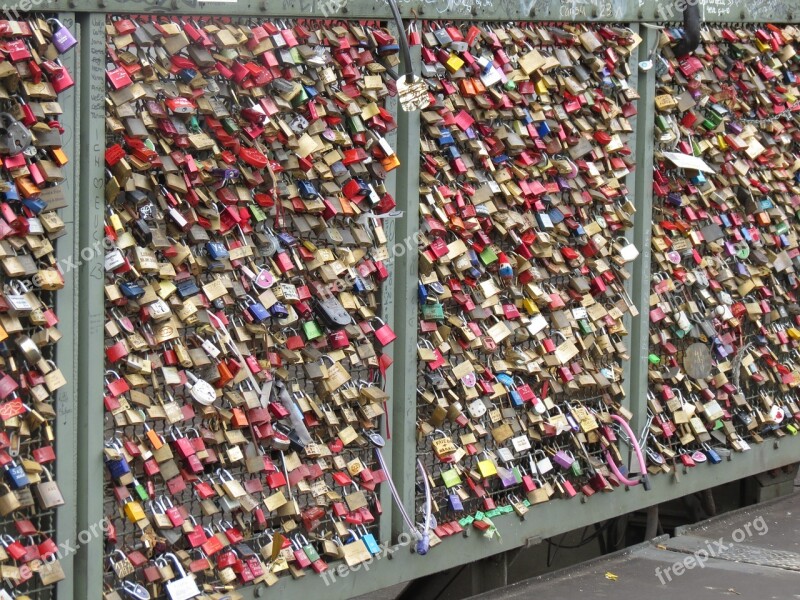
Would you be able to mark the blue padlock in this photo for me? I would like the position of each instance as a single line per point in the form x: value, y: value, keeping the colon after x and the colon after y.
x: 187, y: 75
x: 257, y: 310
x: 725, y: 220
x: 35, y: 205
x: 474, y: 259
x: 504, y: 378
x: 12, y: 194
x: 516, y: 399
x: 286, y: 239
x: 452, y: 153
x: 455, y: 502
x: 16, y: 476
x: 371, y: 543
x: 500, y: 159
x: 217, y: 250
x: 422, y: 292
x: 556, y: 216
x: 307, y: 189
x: 358, y: 285
x: 712, y: 455
x: 278, y: 310
x: 446, y: 138
x: 131, y: 290
x: 118, y: 468
x: 543, y: 129
x: 311, y: 91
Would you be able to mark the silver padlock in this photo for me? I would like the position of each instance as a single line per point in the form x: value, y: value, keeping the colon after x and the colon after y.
x: 15, y: 138
x: 184, y: 586
x: 135, y: 590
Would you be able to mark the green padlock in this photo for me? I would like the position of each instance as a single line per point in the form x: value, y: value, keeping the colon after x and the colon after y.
x: 791, y: 428
x: 433, y: 312
x: 488, y: 255
x: 141, y: 492
x: 584, y: 326
x: 193, y: 124
x: 355, y: 124
x: 310, y: 551
x: 256, y: 212
x: 229, y: 125
x: 575, y: 468
x: 654, y: 359
x: 312, y: 330
x: 451, y: 477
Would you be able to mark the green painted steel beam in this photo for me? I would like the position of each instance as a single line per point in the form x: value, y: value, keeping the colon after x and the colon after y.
x: 67, y: 247
x: 89, y: 559
x: 494, y: 10
x: 643, y: 125
x: 405, y: 259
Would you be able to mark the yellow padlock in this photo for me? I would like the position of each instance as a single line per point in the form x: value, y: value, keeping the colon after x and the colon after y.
x: 762, y: 46
x: 454, y: 63
x: 530, y: 306
x: 134, y: 512
x: 723, y: 145
x: 541, y: 87
x: 793, y: 333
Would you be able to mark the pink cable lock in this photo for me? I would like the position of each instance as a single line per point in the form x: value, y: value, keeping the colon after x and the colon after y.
x: 643, y: 478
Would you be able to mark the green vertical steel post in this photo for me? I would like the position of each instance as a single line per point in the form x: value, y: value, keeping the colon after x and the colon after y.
x: 405, y: 261
x: 388, y: 315
x: 89, y: 559
x: 67, y: 302
x: 643, y: 193
x: 631, y: 182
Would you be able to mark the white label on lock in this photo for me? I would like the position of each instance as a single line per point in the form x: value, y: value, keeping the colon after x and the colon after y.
x: 35, y: 226
x: 159, y: 310
x: 579, y: 313
x: 521, y: 443
x: 182, y: 589
x: 776, y: 414
x: 113, y: 260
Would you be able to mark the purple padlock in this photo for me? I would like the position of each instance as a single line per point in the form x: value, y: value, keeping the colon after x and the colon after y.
x: 63, y: 39
x: 563, y: 459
